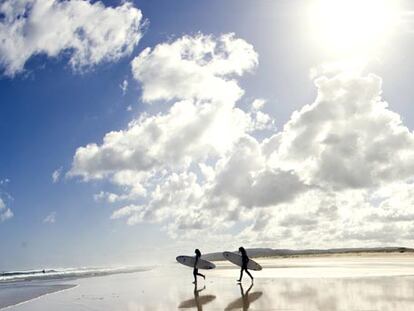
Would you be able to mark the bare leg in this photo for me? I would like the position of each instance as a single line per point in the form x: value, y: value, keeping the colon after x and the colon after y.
x: 241, y: 275
x: 251, y: 277
x: 195, y: 277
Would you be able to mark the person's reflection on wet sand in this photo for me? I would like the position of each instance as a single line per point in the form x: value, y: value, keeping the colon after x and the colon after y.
x: 198, y: 301
x: 245, y: 300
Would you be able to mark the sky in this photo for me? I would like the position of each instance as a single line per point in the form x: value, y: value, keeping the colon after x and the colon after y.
x: 136, y: 131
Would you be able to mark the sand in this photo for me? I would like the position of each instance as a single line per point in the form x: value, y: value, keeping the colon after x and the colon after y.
x: 15, y: 294
x: 332, y: 283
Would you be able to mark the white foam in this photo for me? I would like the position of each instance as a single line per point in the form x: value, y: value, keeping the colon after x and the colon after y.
x: 53, y: 274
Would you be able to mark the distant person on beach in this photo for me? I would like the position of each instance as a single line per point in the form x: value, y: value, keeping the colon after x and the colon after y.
x: 245, y: 261
x: 195, y: 271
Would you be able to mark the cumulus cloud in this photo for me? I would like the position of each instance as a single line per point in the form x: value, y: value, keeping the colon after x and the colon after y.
x: 158, y: 151
x: 201, y: 67
x: 261, y: 120
x: 392, y: 204
x: 348, y: 138
x: 178, y: 202
x: 187, y: 132
x: 135, y: 192
x: 244, y: 175
x: 356, y: 156
x: 337, y: 219
x: 89, y: 33
x: 326, y: 176
x: 190, y: 130
x: 127, y: 211
x: 258, y: 104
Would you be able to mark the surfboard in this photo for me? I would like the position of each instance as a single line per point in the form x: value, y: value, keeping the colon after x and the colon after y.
x: 237, y: 260
x: 190, y: 260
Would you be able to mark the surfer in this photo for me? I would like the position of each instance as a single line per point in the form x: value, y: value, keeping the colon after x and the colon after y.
x: 195, y: 271
x: 245, y: 261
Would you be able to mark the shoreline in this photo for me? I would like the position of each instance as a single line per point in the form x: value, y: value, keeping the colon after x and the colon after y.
x: 30, y: 292
x: 379, y: 282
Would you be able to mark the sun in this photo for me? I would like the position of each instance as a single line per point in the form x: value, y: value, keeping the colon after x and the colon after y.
x: 353, y: 27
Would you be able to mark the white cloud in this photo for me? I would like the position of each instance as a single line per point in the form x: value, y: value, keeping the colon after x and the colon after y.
x: 258, y: 104
x: 132, y: 212
x: 190, y: 130
x: 5, y: 213
x: 187, y: 132
x: 175, y: 201
x: 50, y: 219
x: 153, y: 151
x: 348, y: 138
x: 124, y: 86
x: 337, y: 219
x: 244, y: 176
x: 200, y: 67
x: 199, y: 166
x: 90, y: 33
x: 352, y: 67
x: 56, y: 175
x: 261, y: 120
x: 357, y: 157
x: 110, y: 197
x: 106, y: 196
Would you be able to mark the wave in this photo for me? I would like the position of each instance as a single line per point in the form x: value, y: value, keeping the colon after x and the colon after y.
x: 68, y: 273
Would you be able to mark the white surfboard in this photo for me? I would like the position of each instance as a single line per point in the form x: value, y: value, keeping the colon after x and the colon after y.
x: 190, y: 260
x: 237, y: 260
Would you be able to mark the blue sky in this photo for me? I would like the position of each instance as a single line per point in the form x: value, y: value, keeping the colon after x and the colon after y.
x: 49, y: 110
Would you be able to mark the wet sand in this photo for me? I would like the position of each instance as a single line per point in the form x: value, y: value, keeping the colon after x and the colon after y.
x: 14, y: 294
x: 351, y: 283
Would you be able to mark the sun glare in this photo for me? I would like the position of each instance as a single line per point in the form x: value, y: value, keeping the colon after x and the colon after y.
x: 353, y: 27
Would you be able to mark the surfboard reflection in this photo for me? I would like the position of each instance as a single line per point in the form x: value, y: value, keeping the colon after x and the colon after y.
x: 198, y: 301
x: 245, y: 300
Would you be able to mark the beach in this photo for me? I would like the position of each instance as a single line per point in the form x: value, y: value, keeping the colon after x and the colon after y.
x: 364, y: 282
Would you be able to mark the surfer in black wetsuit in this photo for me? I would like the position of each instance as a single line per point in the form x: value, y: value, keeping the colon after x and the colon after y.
x: 195, y: 271
x: 245, y: 261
